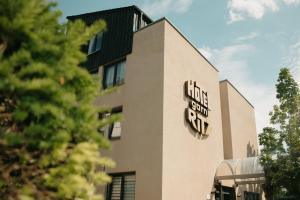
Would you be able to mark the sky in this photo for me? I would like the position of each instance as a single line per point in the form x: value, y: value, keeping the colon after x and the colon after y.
x: 247, y: 40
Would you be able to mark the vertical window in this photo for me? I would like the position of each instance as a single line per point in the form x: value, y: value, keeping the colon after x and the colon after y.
x: 122, y: 187
x: 143, y: 23
x: 95, y: 43
x: 115, y: 132
x: 109, y: 76
x: 112, y: 131
x: 120, y: 73
x: 114, y: 74
x: 135, y: 22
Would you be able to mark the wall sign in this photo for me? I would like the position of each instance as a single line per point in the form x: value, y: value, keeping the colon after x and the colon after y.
x: 197, y: 112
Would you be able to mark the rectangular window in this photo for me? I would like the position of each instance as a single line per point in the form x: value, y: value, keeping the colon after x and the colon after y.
x: 95, y: 43
x: 122, y: 187
x: 115, y: 131
x: 251, y: 196
x: 135, y: 22
x: 114, y: 74
x: 112, y: 131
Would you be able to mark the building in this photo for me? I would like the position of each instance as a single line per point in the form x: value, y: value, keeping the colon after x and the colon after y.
x: 184, y: 134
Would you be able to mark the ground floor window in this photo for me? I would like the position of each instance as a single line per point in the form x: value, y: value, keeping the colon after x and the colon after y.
x: 122, y: 187
x: 224, y: 193
x: 251, y: 196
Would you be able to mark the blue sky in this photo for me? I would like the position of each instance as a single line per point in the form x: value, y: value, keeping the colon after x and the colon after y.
x: 247, y: 40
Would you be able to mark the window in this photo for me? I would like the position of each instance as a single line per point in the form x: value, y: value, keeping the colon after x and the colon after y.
x: 251, y: 195
x: 122, y: 187
x: 143, y: 23
x: 135, y: 22
x: 114, y: 74
x: 112, y: 131
x: 95, y: 43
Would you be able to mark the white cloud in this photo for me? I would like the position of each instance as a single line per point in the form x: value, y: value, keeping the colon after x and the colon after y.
x: 255, y: 9
x: 291, y: 2
x: 233, y: 65
x: 249, y: 36
x: 234, y: 17
x: 239, y: 9
x: 162, y: 7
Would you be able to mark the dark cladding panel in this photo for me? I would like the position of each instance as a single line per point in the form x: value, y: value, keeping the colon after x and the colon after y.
x: 117, y: 40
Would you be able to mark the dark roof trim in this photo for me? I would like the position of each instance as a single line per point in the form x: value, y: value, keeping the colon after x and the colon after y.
x: 164, y: 18
x: 226, y: 80
x: 108, y: 11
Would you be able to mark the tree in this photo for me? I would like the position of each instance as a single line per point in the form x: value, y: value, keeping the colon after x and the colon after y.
x: 280, y: 154
x: 49, y: 128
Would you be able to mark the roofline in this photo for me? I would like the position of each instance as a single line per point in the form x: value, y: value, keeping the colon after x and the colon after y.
x: 164, y: 18
x: 94, y: 12
x: 113, y: 9
x: 226, y: 80
x: 144, y: 14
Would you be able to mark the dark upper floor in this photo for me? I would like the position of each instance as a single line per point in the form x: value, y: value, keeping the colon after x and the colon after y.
x: 116, y: 41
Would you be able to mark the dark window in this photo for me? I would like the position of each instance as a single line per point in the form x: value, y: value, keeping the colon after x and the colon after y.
x: 95, y: 43
x: 122, y: 187
x: 143, y: 23
x: 251, y: 196
x: 112, y: 131
x: 114, y: 74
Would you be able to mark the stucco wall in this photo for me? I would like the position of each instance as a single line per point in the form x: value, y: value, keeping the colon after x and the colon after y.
x: 238, y: 123
x: 227, y: 140
x: 189, y: 162
x: 140, y: 146
x: 171, y: 162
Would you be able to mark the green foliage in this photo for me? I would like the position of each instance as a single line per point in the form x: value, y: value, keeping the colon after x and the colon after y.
x: 49, y: 139
x: 280, y: 155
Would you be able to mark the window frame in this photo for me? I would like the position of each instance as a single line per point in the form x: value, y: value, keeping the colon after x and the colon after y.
x: 92, y: 48
x: 107, y: 131
x: 116, y: 110
x: 136, y: 22
x: 251, y: 195
x: 115, y: 66
x: 122, y: 175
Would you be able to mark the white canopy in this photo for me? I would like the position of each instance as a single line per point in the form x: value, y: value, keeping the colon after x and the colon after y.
x: 242, y: 171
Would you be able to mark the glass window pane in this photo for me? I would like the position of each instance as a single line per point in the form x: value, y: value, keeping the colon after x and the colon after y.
x: 135, y: 21
x: 91, y: 45
x: 129, y: 187
x: 122, y: 187
x: 109, y: 76
x: 99, y: 41
x: 120, y: 73
x: 105, y: 129
x: 116, y: 130
x: 115, y: 193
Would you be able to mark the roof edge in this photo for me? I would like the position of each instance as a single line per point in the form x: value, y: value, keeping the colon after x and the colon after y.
x: 107, y: 10
x: 226, y: 80
x: 177, y: 30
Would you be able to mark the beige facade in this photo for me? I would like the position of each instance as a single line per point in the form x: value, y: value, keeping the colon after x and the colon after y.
x: 239, y: 130
x: 170, y: 160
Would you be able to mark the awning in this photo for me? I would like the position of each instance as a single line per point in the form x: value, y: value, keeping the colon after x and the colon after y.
x: 241, y: 171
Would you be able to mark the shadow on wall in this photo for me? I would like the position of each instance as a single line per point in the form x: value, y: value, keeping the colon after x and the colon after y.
x: 251, y: 151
